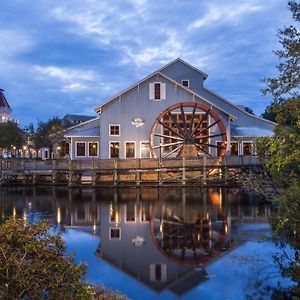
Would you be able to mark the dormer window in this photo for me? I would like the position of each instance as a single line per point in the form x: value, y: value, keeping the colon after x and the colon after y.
x: 157, y: 91
x: 185, y: 82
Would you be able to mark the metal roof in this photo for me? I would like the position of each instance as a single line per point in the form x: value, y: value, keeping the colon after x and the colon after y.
x: 251, y: 132
x: 87, y: 129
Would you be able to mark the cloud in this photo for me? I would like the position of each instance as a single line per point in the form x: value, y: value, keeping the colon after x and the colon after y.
x: 14, y: 42
x: 71, y: 80
x: 224, y: 13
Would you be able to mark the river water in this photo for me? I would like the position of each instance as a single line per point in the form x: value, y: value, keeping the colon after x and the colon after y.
x: 159, y: 243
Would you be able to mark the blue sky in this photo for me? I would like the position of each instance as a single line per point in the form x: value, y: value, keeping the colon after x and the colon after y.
x: 68, y: 56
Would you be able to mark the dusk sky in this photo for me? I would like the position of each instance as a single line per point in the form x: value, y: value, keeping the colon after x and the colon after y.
x: 68, y: 56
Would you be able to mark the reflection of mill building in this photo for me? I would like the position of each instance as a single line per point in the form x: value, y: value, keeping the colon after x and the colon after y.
x: 169, y: 113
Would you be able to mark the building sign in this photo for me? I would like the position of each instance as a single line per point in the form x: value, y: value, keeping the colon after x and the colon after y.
x: 137, y: 122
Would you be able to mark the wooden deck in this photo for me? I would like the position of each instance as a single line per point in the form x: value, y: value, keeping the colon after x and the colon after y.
x: 130, y: 172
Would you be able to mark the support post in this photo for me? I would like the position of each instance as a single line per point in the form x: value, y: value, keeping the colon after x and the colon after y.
x: 225, y: 168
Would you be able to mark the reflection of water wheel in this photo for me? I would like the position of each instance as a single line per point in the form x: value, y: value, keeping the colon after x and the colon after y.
x: 186, y: 129
x: 187, y: 242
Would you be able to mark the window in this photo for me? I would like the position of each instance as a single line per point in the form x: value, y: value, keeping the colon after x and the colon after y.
x: 114, y: 130
x: 234, y: 148
x: 129, y: 150
x: 220, y: 145
x: 185, y: 82
x: 157, y: 91
x: 247, y: 148
x: 93, y: 149
x: 130, y: 212
x: 158, y: 272
x: 114, y: 149
x: 80, y: 149
x: 145, y: 211
x: 114, y: 233
x: 114, y: 213
x: 145, y: 150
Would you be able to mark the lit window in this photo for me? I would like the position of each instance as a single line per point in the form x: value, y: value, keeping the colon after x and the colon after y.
x: 80, y: 149
x: 114, y: 213
x: 247, y: 148
x: 130, y: 212
x: 115, y: 233
x: 185, y: 83
x: 130, y: 150
x: 93, y: 149
x: 145, y: 211
x: 114, y: 149
x: 145, y: 150
x: 114, y: 130
x: 220, y: 146
x: 234, y: 148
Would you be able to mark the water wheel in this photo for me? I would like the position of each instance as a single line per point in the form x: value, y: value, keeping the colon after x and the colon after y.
x: 186, y: 130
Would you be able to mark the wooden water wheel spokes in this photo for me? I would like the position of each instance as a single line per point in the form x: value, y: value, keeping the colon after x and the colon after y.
x: 187, y: 129
x: 191, y: 242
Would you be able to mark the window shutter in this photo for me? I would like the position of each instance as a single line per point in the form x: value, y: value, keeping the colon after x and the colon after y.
x: 163, y: 272
x: 151, y: 91
x: 152, y: 272
x: 163, y: 91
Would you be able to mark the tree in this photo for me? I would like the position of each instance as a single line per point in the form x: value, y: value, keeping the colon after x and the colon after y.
x: 288, y: 80
x: 283, y: 149
x: 33, y: 266
x: 11, y: 136
x: 48, y: 133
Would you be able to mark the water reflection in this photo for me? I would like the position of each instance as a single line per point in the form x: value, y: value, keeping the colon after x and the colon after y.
x: 162, y: 237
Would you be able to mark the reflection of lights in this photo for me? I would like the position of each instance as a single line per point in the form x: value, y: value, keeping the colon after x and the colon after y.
x: 29, y: 205
x: 14, y: 212
x: 58, y: 216
x: 198, y: 236
x: 226, y: 228
x: 117, y: 217
x: 24, y: 216
x: 161, y: 227
x: 94, y: 227
x: 216, y: 198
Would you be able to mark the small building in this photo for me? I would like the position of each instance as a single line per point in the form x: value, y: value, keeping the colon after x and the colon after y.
x: 5, y: 109
x: 170, y: 113
x: 72, y: 120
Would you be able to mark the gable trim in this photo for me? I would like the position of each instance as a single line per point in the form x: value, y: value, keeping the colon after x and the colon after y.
x: 98, y: 109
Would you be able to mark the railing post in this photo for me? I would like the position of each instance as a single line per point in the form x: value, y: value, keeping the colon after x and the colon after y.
x: 137, y: 173
x: 204, y: 170
x: 183, y: 171
x: 116, y: 173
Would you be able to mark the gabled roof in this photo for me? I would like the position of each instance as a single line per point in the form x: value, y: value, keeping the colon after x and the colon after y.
x: 185, y: 63
x: 78, y: 117
x: 89, y: 128
x: 98, y: 109
x: 3, y: 101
